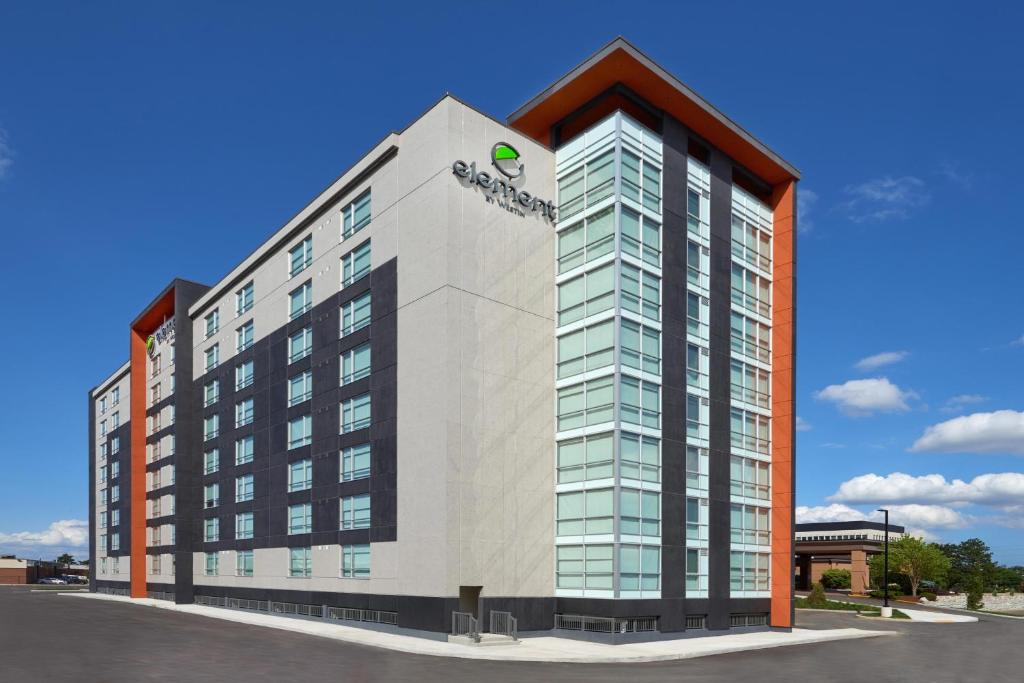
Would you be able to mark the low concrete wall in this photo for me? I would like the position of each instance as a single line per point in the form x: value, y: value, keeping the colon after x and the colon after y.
x: 1001, y: 602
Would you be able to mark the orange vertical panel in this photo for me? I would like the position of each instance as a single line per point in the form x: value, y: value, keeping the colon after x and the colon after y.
x: 783, y: 371
x: 138, y: 464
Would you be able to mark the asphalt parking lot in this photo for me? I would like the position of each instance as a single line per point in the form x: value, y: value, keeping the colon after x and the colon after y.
x: 54, y: 638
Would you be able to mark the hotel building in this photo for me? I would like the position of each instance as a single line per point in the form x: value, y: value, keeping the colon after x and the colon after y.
x: 541, y: 366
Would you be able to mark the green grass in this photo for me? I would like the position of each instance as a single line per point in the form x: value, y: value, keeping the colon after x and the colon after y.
x: 801, y: 603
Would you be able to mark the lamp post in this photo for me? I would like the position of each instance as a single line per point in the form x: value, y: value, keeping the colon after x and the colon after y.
x: 885, y: 590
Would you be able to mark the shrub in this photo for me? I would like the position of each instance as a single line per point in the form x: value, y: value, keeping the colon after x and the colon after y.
x: 894, y: 592
x: 817, y: 600
x: 975, y: 592
x: 929, y: 596
x: 836, y: 578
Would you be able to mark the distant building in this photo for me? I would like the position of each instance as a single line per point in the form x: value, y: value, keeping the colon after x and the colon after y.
x: 840, y: 545
x: 14, y: 570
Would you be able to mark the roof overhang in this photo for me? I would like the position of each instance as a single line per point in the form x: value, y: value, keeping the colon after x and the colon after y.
x: 620, y: 62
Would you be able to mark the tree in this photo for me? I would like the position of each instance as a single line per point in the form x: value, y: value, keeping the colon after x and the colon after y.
x: 970, y: 560
x: 1009, y: 578
x: 817, y: 600
x: 65, y: 560
x: 920, y: 561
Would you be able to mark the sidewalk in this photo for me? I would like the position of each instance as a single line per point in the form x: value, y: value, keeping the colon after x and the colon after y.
x: 532, y: 649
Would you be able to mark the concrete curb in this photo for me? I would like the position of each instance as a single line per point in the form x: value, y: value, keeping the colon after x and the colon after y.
x: 533, y: 649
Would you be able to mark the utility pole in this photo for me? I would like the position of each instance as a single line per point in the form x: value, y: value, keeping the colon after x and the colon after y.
x: 885, y: 590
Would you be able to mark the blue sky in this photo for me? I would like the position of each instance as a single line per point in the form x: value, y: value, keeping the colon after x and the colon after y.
x: 140, y: 143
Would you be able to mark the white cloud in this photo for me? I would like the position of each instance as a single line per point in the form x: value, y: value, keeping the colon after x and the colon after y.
x: 881, y: 359
x: 63, y: 533
x: 960, y: 401
x: 921, y: 518
x: 802, y: 425
x: 951, y: 172
x: 884, y: 198
x: 805, y: 201
x: 1001, y: 431
x: 859, y: 397
x: 6, y: 154
x: 1019, y: 341
x: 1004, y: 488
x: 827, y: 513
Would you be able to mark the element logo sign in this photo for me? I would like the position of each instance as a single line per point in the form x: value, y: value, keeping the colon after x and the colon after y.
x: 506, y: 159
x: 150, y: 344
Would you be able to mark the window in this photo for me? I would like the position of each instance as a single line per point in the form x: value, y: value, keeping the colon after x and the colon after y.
x: 751, y: 244
x: 641, y: 403
x: 355, y: 413
x: 355, y: 561
x: 115, y: 493
x: 749, y: 383
x: 584, y: 567
x: 355, y: 264
x: 154, y: 394
x: 115, y: 565
x: 693, y: 210
x: 355, y: 364
x: 300, y: 563
x: 696, y: 571
x: 587, y: 294
x: 355, y: 462
x: 641, y: 347
x: 600, y: 177
x: 694, y: 372
x: 587, y: 240
x: 115, y: 444
x: 103, y: 427
x: 697, y: 466
x: 696, y: 519
x: 693, y: 264
x: 103, y: 405
x: 243, y: 525
x: 585, y: 458
x: 212, y: 322
x: 355, y: 314
x: 749, y: 337
x: 355, y: 216
x: 115, y: 420
x: 639, y: 568
x: 639, y: 457
x: 212, y: 561
x: 639, y: 513
x: 641, y: 237
x: 300, y: 257
x: 300, y: 388
x: 244, y: 299
x: 300, y: 300
x: 585, y: 512
x: 211, y: 393
x: 244, y: 336
x: 211, y: 426
x: 748, y: 571
x: 243, y: 488
x: 585, y: 404
x: 243, y: 450
x: 244, y: 374
x: 570, y: 193
x: 211, y: 461
x: 300, y: 431
x: 751, y: 291
x: 300, y: 475
x: 243, y: 563
x: 641, y: 292
x: 115, y: 541
x: 587, y: 349
x: 355, y: 512
x: 212, y: 357
x: 115, y: 517
x: 156, y: 365
x: 748, y: 524
x: 211, y: 495
x: 749, y: 430
x: 115, y: 469
x: 103, y: 496
x: 641, y: 181
x: 103, y: 520
x: 300, y: 344
x: 693, y: 417
x: 300, y: 518
x: 244, y: 412
x: 748, y: 477
x: 211, y: 529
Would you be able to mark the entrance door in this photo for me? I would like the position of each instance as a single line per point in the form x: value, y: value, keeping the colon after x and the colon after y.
x: 469, y: 600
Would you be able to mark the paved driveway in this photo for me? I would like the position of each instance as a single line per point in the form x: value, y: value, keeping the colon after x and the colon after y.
x: 47, y: 637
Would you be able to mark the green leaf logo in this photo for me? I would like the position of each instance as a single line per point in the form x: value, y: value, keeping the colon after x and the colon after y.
x: 505, y: 158
x: 150, y: 343
x: 505, y: 151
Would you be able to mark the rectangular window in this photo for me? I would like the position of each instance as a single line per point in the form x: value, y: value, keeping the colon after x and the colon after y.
x: 639, y: 568
x: 300, y: 431
x: 587, y: 240
x: 749, y: 478
x: 697, y: 465
x: 115, y: 493
x: 212, y: 560
x: 749, y: 383
x: 300, y: 475
x: 154, y: 394
x: 586, y: 458
x: 115, y: 445
x: 355, y: 561
x: 211, y: 495
x: 211, y: 426
x: 749, y: 430
x: 570, y: 193
x: 355, y: 413
x: 584, y: 567
x: 696, y: 519
x: 751, y: 244
x: 355, y: 216
x: 300, y: 257
x: 244, y: 374
x: 600, y: 177
x: 212, y: 357
x: 355, y: 512
x: 103, y: 520
x: 355, y: 264
x: 693, y: 416
x: 749, y: 524
x: 300, y: 388
x: 212, y: 322
x: 211, y: 393
x: 750, y: 290
x: 641, y: 292
x: 115, y: 517
x: 355, y: 314
x: 156, y: 365
x: 641, y: 237
x: 211, y: 461
x: 641, y: 347
x: 300, y: 344
x: 243, y: 563
x: 211, y: 529
x: 244, y: 412
x: 639, y: 457
x: 585, y: 512
x: 300, y: 564
x: 588, y: 403
x: 243, y: 488
x: 587, y: 349
x: 750, y: 337
x: 355, y: 462
x: 243, y: 525
x: 154, y: 564
x: 748, y: 571
x: 696, y: 575
x: 244, y: 299
x: 300, y: 300
x: 244, y: 336
x: 300, y: 518
x: 639, y: 513
x: 244, y: 449
x: 641, y: 402
x: 588, y: 294
x: 355, y: 364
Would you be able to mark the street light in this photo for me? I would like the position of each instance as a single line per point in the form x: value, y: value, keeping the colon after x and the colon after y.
x: 886, y: 572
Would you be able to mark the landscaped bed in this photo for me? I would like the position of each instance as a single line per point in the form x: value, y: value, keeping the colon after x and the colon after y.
x: 865, y: 610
